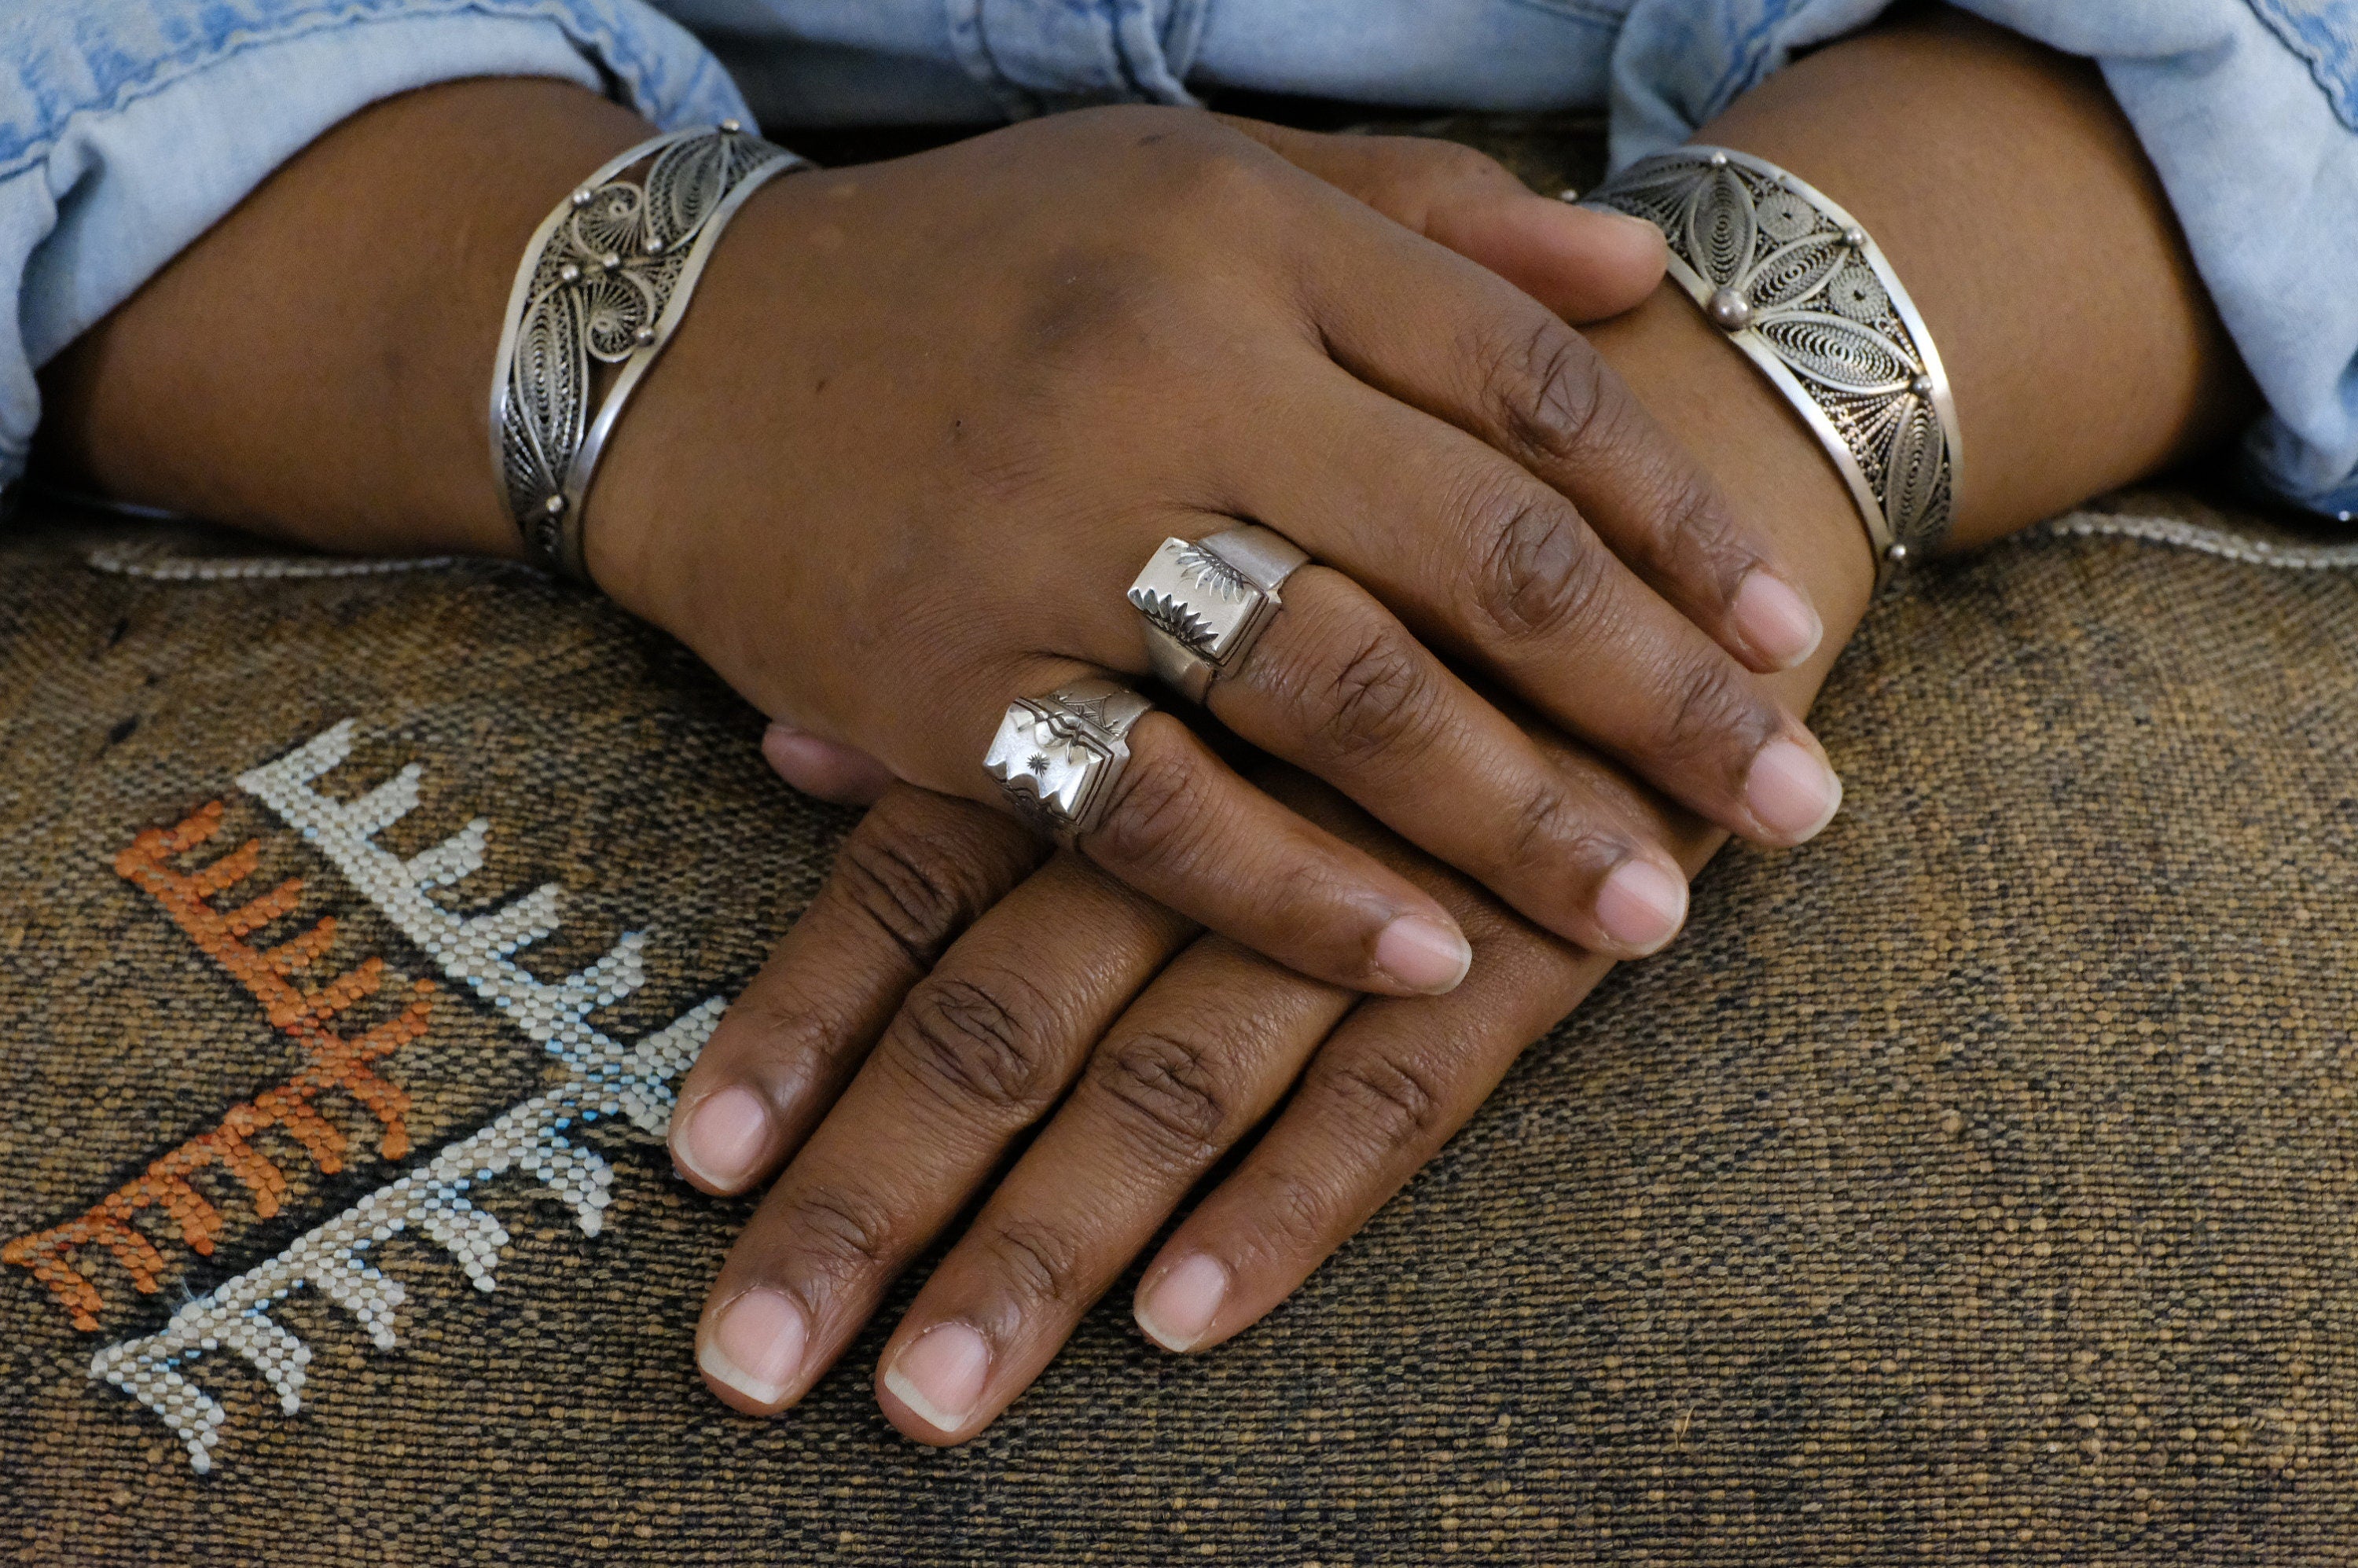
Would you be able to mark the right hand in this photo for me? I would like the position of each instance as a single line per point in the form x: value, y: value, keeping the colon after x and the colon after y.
x: 928, y: 418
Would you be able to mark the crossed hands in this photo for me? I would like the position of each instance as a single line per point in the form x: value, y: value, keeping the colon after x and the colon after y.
x: 1471, y: 762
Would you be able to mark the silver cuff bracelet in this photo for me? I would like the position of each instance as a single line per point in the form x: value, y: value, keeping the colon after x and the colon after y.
x: 606, y: 279
x: 1797, y: 285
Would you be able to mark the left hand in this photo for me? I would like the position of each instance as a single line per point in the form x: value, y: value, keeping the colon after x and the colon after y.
x: 941, y: 996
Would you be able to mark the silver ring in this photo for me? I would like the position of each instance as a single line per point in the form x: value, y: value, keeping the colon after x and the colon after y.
x: 1058, y: 757
x: 1205, y: 604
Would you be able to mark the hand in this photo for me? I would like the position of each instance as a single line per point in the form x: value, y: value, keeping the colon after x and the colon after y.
x: 884, y: 495
x: 954, y: 999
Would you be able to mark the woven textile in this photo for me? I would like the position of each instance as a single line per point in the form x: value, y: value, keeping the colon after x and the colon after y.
x: 1973, y: 1185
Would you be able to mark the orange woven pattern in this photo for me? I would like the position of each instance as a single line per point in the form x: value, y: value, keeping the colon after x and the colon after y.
x: 303, y: 1014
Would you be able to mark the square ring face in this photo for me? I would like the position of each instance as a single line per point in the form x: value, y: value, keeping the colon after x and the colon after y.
x: 1200, y: 601
x: 1051, y: 764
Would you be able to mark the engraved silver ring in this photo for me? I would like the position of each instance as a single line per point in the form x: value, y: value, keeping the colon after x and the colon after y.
x: 1206, y: 603
x: 1058, y: 757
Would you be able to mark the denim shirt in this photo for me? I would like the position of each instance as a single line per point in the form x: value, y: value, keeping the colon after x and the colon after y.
x: 128, y: 127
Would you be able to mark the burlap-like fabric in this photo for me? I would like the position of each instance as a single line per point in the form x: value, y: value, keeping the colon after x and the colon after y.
x: 1973, y: 1185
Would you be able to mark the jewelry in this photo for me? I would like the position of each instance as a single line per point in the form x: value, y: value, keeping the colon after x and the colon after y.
x: 1796, y: 284
x: 1205, y: 604
x: 1058, y: 756
x: 607, y: 277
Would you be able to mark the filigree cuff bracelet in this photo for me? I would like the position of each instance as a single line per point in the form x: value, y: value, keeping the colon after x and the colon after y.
x: 1796, y: 284
x: 605, y: 281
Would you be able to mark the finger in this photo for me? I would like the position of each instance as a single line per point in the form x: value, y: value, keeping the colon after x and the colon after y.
x: 980, y: 1050
x: 1180, y: 827
x: 918, y: 869
x: 1193, y: 1065
x: 1443, y: 336
x: 1339, y: 686
x: 826, y: 769
x: 1484, y: 562
x: 1456, y: 197
x: 1386, y: 1090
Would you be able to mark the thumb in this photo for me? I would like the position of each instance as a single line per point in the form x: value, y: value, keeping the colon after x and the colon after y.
x: 1583, y: 264
x: 825, y: 768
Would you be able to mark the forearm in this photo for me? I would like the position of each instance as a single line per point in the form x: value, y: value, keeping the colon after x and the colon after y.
x: 2006, y: 188
x: 2015, y: 205
x: 317, y: 367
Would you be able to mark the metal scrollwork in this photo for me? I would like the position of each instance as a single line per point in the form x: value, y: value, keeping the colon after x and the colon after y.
x: 1800, y: 288
x: 603, y: 284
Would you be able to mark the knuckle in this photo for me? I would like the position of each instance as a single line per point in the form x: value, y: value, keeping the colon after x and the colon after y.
x: 1293, y: 1217
x: 1164, y: 1085
x: 1379, y: 698
x: 1390, y: 1098
x: 1541, y: 569
x: 915, y: 890
x: 1693, y: 535
x: 1715, y: 708
x: 841, y: 1234
x: 1154, y: 819
x: 1548, y: 391
x: 1042, y: 1264
x: 1449, y: 163
x: 1220, y: 172
x: 1551, y: 829
x: 981, y: 1041
x: 787, y: 1024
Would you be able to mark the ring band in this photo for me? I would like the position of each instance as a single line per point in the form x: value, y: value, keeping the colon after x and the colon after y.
x: 1058, y: 757
x: 1205, y: 604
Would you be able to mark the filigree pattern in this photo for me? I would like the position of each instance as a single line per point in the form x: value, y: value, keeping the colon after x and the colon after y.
x: 601, y: 285
x: 1767, y: 257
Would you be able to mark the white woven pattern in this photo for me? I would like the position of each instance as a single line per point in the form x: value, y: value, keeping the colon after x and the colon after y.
x: 540, y: 1137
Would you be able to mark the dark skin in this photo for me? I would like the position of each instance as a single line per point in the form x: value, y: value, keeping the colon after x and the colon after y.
x: 854, y: 508
x: 943, y: 997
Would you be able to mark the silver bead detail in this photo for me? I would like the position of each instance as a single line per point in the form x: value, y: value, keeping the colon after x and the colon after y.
x: 1854, y: 237
x: 568, y: 273
x: 654, y: 245
x: 1921, y: 386
x: 583, y: 197
x: 733, y: 127
x: 611, y: 261
x: 553, y: 505
x: 644, y: 337
x: 1897, y: 555
x: 1719, y: 160
x: 1729, y: 309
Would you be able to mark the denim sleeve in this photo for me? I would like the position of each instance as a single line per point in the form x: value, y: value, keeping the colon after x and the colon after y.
x: 127, y: 127
x: 2248, y: 110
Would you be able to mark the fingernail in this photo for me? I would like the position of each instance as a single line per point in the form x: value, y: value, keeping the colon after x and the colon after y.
x: 1641, y: 905
x: 1179, y: 1310
x: 940, y: 1375
x: 1791, y: 791
x: 755, y: 1345
x: 1776, y: 621
x: 1423, y: 954
x: 725, y: 1138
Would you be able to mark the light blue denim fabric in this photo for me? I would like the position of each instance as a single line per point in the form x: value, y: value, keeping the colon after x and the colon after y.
x: 127, y: 125
x: 128, y: 128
